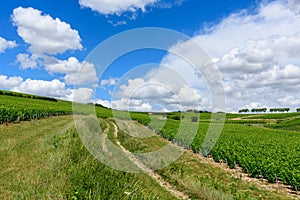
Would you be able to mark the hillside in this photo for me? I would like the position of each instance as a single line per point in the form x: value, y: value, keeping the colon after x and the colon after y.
x: 46, y: 158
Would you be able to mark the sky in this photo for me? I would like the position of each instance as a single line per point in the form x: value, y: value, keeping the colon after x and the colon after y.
x: 46, y: 48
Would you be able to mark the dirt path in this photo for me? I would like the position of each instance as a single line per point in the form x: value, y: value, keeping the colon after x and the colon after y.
x: 147, y: 170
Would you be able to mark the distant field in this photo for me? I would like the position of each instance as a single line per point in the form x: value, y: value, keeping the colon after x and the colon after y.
x: 274, y: 116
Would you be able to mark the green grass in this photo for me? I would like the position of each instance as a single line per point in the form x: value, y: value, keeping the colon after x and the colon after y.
x: 274, y: 115
x: 45, y: 159
x: 29, y: 162
x: 41, y: 159
x: 193, y: 177
x: 87, y: 178
x: 290, y: 124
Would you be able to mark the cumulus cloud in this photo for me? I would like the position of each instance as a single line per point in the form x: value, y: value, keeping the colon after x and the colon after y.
x: 9, y: 82
x: 4, y: 44
x: 28, y: 61
x: 270, y: 18
x: 257, y: 53
x: 44, y: 34
x: 131, y: 104
x: 82, y: 95
x: 75, y: 72
x: 54, y: 88
x: 261, y: 54
x: 105, y: 103
x: 108, y: 82
x: 289, y: 101
x: 159, y: 86
x: 117, y: 6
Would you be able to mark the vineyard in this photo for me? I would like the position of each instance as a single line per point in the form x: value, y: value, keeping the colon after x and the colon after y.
x: 16, y: 107
x: 264, y: 146
x: 261, y: 152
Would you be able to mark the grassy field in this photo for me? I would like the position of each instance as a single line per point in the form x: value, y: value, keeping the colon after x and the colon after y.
x: 46, y: 159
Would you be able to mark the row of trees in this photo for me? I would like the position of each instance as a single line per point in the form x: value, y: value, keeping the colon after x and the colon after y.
x: 245, y: 110
x: 253, y: 110
x: 279, y: 109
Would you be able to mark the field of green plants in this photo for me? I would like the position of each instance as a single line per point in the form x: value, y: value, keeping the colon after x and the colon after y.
x: 261, y: 151
x: 23, y: 108
x: 16, y: 107
x: 264, y: 145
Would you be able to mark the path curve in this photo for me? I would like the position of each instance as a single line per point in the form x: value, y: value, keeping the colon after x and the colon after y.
x: 148, y: 171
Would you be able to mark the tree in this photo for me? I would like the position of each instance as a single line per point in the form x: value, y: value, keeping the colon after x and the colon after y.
x: 298, y: 109
x: 244, y: 110
x: 258, y: 109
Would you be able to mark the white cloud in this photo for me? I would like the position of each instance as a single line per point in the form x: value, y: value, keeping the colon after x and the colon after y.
x: 105, y: 103
x: 270, y: 19
x: 82, y: 95
x: 257, y: 54
x: 131, y: 104
x: 261, y: 54
x: 54, y: 88
x: 118, y: 23
x: 4, y: 44
x: 108, y: 82
x: 76, y: 72
x: 160, y: 86
x: 116, y: 6
x: 9, y: 82
x: 43, y: 33
x: 28, y: 61
x: 289, y: 101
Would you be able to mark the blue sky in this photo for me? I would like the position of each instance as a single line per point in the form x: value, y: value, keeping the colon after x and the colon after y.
x: 254, y: 44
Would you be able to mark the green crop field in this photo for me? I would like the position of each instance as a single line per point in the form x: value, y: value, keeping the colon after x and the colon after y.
x: 45, y: 158
x: 260, y: 151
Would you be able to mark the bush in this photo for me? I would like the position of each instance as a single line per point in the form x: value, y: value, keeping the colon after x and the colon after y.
x: 194, y: 119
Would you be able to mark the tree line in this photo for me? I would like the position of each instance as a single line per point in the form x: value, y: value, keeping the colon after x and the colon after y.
x: 245, y: 110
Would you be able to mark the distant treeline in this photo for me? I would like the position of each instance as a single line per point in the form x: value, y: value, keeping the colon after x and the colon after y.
x: 198, y: 111
x: 245, y: 110
x: 16, y: 94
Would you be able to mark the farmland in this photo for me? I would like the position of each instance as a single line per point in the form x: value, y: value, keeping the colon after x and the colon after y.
x: 55, y: 163
x: 260, y: 150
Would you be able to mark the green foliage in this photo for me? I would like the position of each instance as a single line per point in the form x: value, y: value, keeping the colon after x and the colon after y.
x: 298, y: 109
x: 142, y: 118
x: 15, y: 107
x: 16, y: 94
x: 174, y: 115
x: 292, y: 125
x: 279, y: 109
x: 87, y: 178
x: 244, y: 110
x: 259, y: 109
x: 269, y: 153
x: 273, y: 116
